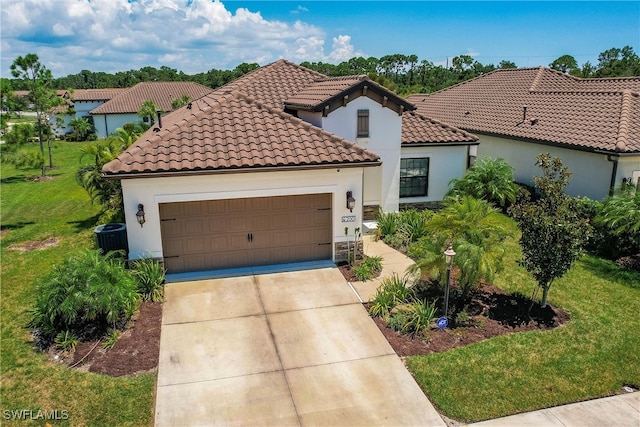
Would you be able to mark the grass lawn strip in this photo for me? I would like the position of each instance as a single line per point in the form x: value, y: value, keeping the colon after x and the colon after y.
x: 594, y: 355
x: 35, y: 211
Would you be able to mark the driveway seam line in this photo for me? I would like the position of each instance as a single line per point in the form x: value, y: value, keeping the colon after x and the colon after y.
x: 222, y: 378
x: 344, y: 361
x: 275, y: 345
x: 312, y: 308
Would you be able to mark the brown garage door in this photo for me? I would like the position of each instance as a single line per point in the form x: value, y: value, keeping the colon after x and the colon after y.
x: 217, y: 234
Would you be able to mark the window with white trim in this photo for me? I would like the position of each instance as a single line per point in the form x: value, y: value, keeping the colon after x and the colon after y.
x: 414, y: 177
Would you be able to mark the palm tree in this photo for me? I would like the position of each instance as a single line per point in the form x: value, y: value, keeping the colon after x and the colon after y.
x: 180, y: 102
x: 489, y: 179
x: 81, y: 128
x: 148, y: 109
x: 476, y: 232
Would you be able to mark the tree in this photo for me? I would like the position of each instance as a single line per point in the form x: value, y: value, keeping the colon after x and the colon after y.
x: 620, y: 215
x: 107, y: 192
x: 81, y: 128
x: 553, y: 233
x: 6, y: 93
x: 38, y: 79
x: 565, y: 64
x: 490, y: 180
x: 617, y: 62
x: 474, y: 229
x: 148, y: 110
x: 180, y: 102
x: 507, y: 64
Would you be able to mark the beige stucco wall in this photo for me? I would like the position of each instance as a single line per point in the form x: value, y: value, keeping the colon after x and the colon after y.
x: 146, y: 241
x: 591, y: 171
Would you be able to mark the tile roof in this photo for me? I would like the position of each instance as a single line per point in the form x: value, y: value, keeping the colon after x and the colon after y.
x: 591, y: 114
x: 243, y: 125
x: 161, y: 93
x: 96, y: 94
x: 230, y: 131
x: 419, y: 130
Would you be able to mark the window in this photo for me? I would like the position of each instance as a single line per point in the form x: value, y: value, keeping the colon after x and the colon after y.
x: 414, y: 177
x: 363, y: 124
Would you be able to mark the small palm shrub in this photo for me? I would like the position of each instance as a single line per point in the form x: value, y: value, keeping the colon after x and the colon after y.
x: 149, y: 275
x: 110, y: 339
x: 86, y: 294
x: 490, y: 180
x: 397, y: 321
x: 368, y: 268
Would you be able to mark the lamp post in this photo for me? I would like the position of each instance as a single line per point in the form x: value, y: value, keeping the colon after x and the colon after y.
x: 449, y: 254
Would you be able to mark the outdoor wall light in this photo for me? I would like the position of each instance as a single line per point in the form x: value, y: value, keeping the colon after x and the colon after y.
x: 351, y: 202
x: 140, y: 214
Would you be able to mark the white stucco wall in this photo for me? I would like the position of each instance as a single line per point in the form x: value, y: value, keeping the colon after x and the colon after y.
x: 385, y: 132
x: 629, y: 167
x: 147, y: 241
x: 445, y: 164
x: 83, y: 107
x: 106, y: 124
x: 591, y: 171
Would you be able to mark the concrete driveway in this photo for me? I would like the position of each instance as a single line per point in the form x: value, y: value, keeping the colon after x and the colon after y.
x: 289, y: 348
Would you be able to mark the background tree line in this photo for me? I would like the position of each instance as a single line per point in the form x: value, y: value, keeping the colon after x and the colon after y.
x: 403, y: 74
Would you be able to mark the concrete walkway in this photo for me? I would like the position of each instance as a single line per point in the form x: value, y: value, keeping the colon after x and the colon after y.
x: 289, y: 348
x: 620, y: 411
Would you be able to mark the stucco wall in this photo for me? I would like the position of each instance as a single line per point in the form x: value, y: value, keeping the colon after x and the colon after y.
x: 106, y: 124
x: 445, y: 164
x: 147, y: 241
x: 385, y: 130
x: 591, y: 171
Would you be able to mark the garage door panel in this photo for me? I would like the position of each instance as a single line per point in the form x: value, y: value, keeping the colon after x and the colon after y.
x: 231, y: 233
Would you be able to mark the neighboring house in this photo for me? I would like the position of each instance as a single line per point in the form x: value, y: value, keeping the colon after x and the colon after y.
x: 124, y: 106
x: 593, y: 125
x: 272, y: 167
x: 85, y: 100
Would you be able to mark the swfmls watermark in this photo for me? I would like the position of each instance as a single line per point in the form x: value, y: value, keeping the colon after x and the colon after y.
x: 35, y: 415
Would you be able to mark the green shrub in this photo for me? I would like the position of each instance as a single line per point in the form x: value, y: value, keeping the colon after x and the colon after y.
x: 149, y: 276
x: 368, y: 268
x: 396, y: 241
x: 397, y: 321
x: 110, y: 339
x: 387, y: 224
x: 412, y: 224
x: 86, y: 294
x: 66, y: 341
x: 382, y: 303
x: 419, y: 316
x: 398, y: 287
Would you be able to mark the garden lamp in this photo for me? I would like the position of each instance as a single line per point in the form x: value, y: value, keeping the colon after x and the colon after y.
x: 351, y: 202
x: 449, y: 254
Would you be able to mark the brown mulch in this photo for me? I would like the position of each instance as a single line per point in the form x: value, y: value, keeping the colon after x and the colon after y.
x: 348, y: 273
x: 136, y: 350
x: 492, y: 312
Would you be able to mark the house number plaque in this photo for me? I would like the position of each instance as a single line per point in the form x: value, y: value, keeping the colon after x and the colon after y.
x: 349, y: 218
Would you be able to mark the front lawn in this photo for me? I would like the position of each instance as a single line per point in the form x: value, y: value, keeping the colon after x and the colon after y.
x: 34, y: 210
x: 593, y: 355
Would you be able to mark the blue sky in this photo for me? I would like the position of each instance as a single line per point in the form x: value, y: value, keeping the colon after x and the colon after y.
x: 197, y: 35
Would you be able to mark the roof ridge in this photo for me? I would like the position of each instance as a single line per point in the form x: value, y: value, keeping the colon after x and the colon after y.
x: 625, y: 118
x: 537, y: 79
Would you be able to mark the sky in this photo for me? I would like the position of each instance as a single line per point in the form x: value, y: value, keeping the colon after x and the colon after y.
x: 197, y: 35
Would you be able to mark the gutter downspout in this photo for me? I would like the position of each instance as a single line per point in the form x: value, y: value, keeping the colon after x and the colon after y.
x: 614, y: 172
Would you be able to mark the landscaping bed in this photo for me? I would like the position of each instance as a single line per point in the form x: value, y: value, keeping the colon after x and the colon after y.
x: 491, y: 312
x: 136, y: 350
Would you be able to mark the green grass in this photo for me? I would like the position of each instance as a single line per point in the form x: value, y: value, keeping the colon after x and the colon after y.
x: 35, y: 211
x: 591, y: 356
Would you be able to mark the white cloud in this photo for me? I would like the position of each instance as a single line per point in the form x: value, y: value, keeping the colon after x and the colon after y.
x: 299, y: 9
x: 190, y: 35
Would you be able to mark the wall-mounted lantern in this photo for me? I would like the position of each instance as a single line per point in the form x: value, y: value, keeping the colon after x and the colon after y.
x: 140, y: 214
x: 351, y: 202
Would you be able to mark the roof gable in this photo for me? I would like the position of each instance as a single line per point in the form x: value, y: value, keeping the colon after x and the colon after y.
x: 329, y: 94
x: 543, y: 105
x: 161, y: 93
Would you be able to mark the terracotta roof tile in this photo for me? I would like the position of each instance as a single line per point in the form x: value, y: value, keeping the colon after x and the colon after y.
x: 96, y: 94
x: 586, y: 113
x: 161, y: 93
x: 417, y: 129
x: 214, y: 135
